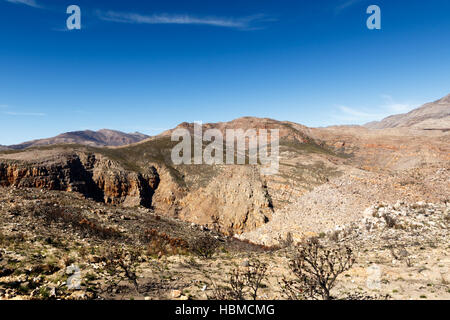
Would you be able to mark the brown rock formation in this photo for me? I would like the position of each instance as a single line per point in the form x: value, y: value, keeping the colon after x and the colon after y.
x: 92, y: 175
x: 235, y: 201
x: 232, y: 200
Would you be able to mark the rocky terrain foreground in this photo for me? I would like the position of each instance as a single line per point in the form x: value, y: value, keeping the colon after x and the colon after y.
x: 124, y: 222
x: 51, y: 240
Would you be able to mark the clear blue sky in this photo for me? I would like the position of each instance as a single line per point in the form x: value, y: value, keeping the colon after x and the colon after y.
x: 149, y: 65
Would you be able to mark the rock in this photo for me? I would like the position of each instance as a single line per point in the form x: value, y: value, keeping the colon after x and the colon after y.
x: 369, y: 212
x: 175, y: 294
x: 52, y: 293
x: 245, y: 263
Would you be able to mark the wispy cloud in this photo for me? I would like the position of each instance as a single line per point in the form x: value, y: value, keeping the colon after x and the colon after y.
x: 345, y: 5
x: 30, y: 3
x: 357, y: 114
x: 6, y: 109
x: 351, y: 115
x: 26, y: 114
x: 247, y: 23
x: 395, y: 107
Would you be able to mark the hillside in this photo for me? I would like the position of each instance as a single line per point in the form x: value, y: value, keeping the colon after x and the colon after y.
x: 99, y: 138
x: 431, y: 116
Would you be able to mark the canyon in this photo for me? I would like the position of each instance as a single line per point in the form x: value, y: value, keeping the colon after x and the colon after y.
x: 237, y: 199
x: 384, y: 192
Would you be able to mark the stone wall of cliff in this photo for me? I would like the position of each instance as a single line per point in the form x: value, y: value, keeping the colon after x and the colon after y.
x: 94, y: 176
x: 234, y: 201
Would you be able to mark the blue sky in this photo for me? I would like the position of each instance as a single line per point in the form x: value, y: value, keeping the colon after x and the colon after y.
x: 148, y: 65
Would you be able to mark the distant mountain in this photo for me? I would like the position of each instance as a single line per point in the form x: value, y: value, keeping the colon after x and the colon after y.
x: 99, y: 138
x: 434, y: 115
x: 287, y: 130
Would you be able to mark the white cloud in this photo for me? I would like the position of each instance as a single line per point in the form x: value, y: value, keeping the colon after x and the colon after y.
x: 351, y: 115
x: 395, y: 107
x: 30, y: 3
x: 239, y: 23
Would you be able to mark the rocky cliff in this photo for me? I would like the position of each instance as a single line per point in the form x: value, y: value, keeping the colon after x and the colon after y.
x: 233, y: 201
x: 92, y: 175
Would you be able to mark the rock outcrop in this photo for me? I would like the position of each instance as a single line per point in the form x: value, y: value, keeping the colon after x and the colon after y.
x: 235, y: 201
x: 92, y: 175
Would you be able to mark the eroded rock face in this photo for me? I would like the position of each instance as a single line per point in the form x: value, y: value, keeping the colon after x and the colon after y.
x: 92, y: 175
x: 235, y: 201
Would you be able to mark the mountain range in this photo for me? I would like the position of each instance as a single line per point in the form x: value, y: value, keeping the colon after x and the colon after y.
x: 233, y: 199
x: 431, y: 116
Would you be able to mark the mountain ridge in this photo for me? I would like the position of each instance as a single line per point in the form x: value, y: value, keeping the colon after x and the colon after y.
x: 100, y: 138
x: 433, y: 116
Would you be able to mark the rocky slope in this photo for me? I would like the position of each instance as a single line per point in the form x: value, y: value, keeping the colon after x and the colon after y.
x: 431, y: 116
x: 344, y: 199
x: 223, y: 201
x: 102, y: 137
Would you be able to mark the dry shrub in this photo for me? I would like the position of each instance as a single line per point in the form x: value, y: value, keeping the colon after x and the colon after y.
x: 12, y: 238
x: 94, y: 229
x: 163, y: 244
x: 204, y: 246
x: 122, y: 265
x: 76, y: 220
x: 243, y: 283
x: 316, y: 269
x: 254, y: 274
x: 248, y: 246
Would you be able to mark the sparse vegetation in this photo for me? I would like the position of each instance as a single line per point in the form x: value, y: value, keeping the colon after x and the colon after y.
x: 204, y: 246
x: 316, y: 269
x: 159, y: 244
x: 243, y: 282
x: 122, y: 265
x: 255, y: 273
x: 56, y: 214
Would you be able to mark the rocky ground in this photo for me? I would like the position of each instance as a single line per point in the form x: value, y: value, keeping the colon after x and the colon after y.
x: 343, y: 200
x: 401, y: 250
